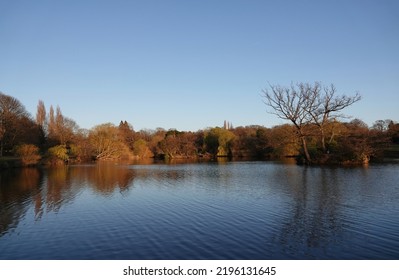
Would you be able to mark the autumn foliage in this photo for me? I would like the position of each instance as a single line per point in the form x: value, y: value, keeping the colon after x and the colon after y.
x: 28, y: 153
x: 53, y: 138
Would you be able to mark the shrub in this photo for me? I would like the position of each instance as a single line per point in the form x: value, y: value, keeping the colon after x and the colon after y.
x: 28, y: 153
x: 141, y: 149
x: 57, y: 153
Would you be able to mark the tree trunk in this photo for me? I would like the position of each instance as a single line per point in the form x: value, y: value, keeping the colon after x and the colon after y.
x: 323, y: 140
x: 305, y: 149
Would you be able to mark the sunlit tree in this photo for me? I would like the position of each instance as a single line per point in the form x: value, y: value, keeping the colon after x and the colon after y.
x: 327, y: 107
x: 16, y: 125
x: 61, y: 130
x: 305, y: 106
x: 28, y: 153
x: 292, y: 103
x: 141, y: 149
x: 41, y: 115
x: 218, y: 141
x: 127, y: 134
x: 178, y: 144
x: 106, y: 142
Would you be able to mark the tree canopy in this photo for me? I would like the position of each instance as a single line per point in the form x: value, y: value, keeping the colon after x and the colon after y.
x: 307, y: 106
x: 316, y: 132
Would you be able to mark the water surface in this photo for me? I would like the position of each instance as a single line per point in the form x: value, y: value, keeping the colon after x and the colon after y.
x: 235, y: 210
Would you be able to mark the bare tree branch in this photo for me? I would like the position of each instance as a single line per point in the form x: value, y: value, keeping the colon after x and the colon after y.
x: 304, y: 105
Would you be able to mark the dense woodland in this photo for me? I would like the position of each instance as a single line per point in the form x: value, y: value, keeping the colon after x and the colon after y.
x: 52, y: 138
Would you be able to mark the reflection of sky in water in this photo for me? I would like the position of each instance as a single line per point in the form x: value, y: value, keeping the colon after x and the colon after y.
x: 257, y: 210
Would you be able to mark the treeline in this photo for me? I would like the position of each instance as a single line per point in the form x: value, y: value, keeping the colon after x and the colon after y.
x: 314, y: 111
x: 52, y: 138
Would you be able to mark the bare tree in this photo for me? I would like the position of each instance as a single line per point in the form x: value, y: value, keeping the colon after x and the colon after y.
x: 382, y: 125
x: 41, y: 114
x: 41, y: 120
x: 59, y: 126
x: 11, y: 113
x: 328, y: 107
x: 51, y: 123
x: 304, y: 105
x: 11, y: 105
x: 292, y: 103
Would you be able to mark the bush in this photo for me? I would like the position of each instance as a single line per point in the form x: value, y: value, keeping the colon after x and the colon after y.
x: 57, y: 154
x: 28, y: 153
x: 141, y: 149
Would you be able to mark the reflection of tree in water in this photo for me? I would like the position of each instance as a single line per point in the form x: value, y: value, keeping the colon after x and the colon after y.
x: 314, y: 225
x: 105, y: 178
x: 58, y: 189
x: 49, y: 189
x: 63, y: 184
x: 17, y: 189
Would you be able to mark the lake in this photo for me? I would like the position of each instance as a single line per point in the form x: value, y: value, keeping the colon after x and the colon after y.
x: 225, y: 210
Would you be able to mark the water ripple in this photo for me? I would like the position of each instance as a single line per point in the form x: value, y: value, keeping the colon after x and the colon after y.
x: 203, y: 211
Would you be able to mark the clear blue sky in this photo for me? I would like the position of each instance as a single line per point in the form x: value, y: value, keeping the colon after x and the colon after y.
x: 193, y: 64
